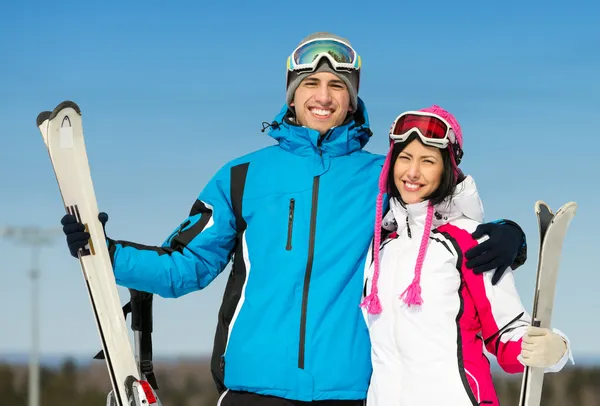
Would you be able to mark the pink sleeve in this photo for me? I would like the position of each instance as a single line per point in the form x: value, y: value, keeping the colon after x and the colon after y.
x: 503, y: 318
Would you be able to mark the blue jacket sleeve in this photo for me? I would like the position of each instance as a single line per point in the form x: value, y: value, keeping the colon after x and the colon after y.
x: 192, y: 256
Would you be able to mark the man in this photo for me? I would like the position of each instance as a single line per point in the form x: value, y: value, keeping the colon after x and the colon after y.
x: 297, y: 219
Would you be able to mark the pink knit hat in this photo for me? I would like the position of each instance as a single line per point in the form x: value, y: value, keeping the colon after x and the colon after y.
x: 412, y: 294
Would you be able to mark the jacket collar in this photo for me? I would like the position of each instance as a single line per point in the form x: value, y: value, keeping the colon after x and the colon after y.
x: 465, y: 202
x: 351, y: 136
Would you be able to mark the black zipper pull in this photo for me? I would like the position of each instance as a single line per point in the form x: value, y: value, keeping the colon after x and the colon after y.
x: 320, y: 141
x: 290, y: 224
x: 408, y: 227
x: 178, y: 230
x: 184, y: 225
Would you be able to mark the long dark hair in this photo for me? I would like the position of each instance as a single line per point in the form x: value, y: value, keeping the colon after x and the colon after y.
x: 447, y: 183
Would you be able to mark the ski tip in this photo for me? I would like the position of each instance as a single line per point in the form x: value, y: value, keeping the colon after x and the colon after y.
x: 43, y: 116
x: 570, y: 207
x: 62, y: 106
x: 539, y: 204
x: 542, y: 207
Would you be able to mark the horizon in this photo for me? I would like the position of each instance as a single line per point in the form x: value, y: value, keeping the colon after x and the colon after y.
x: 170, y: 93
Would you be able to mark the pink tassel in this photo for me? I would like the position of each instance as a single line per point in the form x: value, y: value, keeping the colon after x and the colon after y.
x: 372, y: 303
x: 412, y: 295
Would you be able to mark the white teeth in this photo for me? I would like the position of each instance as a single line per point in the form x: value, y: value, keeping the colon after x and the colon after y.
x: 412, y: 186
x: 320, y: 112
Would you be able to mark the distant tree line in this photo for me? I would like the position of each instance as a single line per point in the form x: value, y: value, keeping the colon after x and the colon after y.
x: 191, y: 384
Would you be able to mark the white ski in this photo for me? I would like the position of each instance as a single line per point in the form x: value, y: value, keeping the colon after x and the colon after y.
x: 62, y: 132
x: 553, y: 229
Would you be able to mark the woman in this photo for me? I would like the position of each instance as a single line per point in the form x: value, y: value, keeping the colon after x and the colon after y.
x: 429, y: 317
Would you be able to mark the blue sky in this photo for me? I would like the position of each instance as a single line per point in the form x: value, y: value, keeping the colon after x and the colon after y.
x: 171, y: 93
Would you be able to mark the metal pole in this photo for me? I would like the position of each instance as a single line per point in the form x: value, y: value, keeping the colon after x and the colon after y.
x: 34, y: 360
x: 35, y: 238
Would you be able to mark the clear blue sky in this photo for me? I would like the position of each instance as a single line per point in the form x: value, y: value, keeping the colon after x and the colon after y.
x: 169, y: 93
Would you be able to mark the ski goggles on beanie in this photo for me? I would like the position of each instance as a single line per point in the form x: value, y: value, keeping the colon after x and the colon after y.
x: 307, y: 56
x: 433, y: 130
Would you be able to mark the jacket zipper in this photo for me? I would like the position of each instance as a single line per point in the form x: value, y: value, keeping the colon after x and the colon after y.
x: 309, y: 264
x: 288, y: 246
x: 408, y: 226
x: 311, y: 253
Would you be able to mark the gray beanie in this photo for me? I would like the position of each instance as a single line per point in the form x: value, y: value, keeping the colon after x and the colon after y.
x: 351, y: 79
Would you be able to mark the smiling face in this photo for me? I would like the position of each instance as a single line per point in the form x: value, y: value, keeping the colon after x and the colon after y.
x: 322, y: 101
x: 418, y: 171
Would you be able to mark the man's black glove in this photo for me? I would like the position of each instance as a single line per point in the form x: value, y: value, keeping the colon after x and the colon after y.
x: 505, y: 247
x: 77, y: 237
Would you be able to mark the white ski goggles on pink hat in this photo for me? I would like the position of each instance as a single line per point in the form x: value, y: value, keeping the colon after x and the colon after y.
x: 433, y: 130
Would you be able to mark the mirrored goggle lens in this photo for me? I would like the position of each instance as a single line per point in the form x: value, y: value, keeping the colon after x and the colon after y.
x: 430, y: 127
x: 308, y: 52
